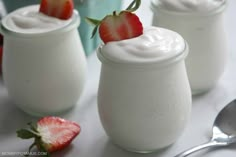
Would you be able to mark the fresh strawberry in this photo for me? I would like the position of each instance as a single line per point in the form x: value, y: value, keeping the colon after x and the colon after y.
x: 62, y: 9
x: 124, y: 25
x: 51, y: 134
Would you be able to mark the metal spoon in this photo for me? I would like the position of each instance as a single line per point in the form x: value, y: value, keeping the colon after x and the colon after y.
x: 224, y: 130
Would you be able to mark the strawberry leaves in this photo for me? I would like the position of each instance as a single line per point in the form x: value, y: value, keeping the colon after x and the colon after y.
x: 134, y: 5
x: 94, y: 22
x: 26, y: 134
x: 32, y: 133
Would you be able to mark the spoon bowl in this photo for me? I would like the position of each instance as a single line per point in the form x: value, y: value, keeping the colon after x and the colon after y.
x: 224, y: 130
x: 225, y: 120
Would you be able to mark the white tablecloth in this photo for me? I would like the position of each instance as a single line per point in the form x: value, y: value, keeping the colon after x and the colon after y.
x: 93, y: 142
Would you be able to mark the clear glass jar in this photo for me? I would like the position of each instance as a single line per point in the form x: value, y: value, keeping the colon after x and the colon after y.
x: 144, y: 107
x: 206, y: 36
x: 44, y: 72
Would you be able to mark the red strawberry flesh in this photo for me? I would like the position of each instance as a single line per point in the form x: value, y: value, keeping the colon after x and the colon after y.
x: 62, y: 9
x: 50, y: 134
x: 57, y: 133
x: 126, y: 25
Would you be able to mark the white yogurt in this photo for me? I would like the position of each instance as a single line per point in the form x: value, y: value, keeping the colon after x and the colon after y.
x: 202, y: 26
x: 144, y: 98
x: 189, y: 5
x: 154, y: 44
x: 43, y: 63
x: 30, y: 20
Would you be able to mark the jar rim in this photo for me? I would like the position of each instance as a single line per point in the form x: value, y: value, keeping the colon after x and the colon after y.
x: 217, y: 10
x: 75, y: 22
x: 162, y: 61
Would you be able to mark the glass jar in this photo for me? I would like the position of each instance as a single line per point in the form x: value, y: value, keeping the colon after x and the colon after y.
x: 205, y: 34
x: 144, y: 107
x: 44, y: 72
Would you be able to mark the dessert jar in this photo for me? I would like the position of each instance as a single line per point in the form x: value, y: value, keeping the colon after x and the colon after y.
x: 12, y: 5
x: 44, y: 72
x: 144, y: 107
x: 206, y: 36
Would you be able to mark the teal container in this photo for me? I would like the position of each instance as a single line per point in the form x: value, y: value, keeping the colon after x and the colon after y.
x: 87, y: 8
x: 15, y: 4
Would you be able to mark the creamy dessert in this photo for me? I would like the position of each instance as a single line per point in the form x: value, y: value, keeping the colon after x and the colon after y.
x: 30, y: 21
x: 201, y: 23
x: 153, y: 45
x: 44, y: 64
x: 144, y: 97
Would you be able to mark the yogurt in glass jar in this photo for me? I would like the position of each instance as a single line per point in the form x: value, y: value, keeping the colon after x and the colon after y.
x: 43, y: 63
x: 144, y: 97
x: 201, y: 23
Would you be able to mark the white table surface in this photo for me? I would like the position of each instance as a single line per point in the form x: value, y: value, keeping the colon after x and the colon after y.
x: 93, y: 142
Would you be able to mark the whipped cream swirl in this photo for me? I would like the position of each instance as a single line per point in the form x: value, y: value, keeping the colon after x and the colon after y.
x: 153, y: 45
x: 30, y: 20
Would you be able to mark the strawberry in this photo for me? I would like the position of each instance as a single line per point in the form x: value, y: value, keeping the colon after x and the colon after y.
x: 121, y: 26
x: 50, y: 134
x: 62, y: 9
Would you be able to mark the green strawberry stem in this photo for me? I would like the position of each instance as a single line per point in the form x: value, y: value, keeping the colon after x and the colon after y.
x: 94, y: 22
x: 32, y: 133
x: 32, y: 127
x: 133, y: 5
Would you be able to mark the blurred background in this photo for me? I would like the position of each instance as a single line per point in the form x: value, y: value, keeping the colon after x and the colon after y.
x: 91, y: 8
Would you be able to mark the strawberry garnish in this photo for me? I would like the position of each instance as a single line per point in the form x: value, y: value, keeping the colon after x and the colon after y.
x: 62, y: 9
x: 119, y: 26
x: 50, y: 134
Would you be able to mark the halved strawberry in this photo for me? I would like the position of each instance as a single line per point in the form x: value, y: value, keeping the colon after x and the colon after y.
x: 124, y: 25
x: 62, y: 9
x: 51, y: 134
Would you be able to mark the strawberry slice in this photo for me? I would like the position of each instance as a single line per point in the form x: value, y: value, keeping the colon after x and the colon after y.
x: 114, y: 27
x: 62, y: 9
x: 51, y: 134
x: 124, y: 25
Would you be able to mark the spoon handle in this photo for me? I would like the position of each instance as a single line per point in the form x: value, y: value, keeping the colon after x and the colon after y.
x: 197, y: 148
